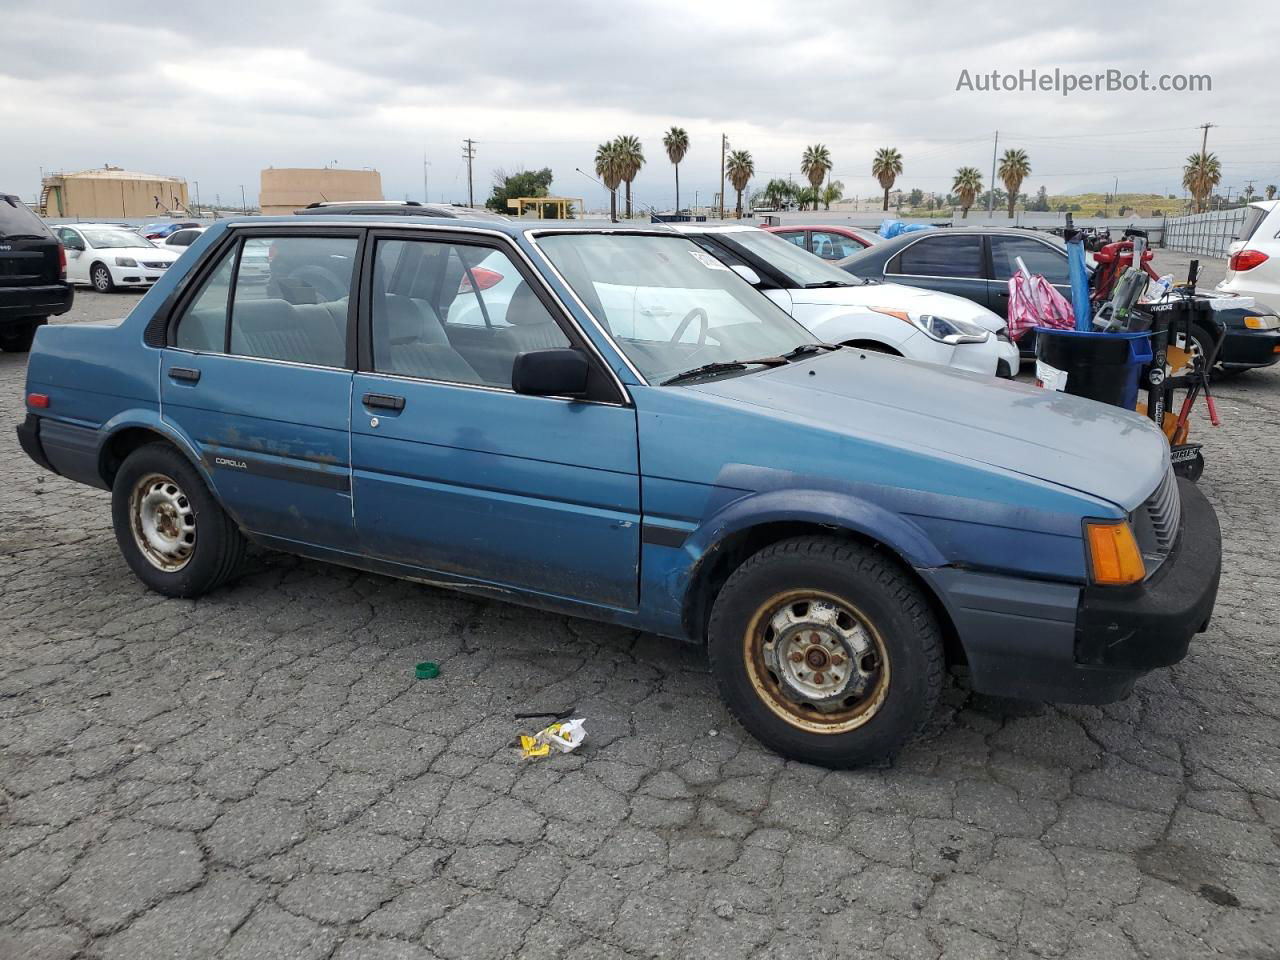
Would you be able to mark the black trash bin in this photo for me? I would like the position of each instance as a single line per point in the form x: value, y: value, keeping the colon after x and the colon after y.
x: 1100, y: 366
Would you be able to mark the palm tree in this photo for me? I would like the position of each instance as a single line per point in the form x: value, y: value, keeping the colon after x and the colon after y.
x: 1200, y: 175
x: 807, y: 195
x: 1271, y: 191
x: 632, y: 155
x: 609, y: 169
x: 740, y: 168
x: 777, y: 192
x: 1014, y: 168
x: 887, y: 167
x: 966, y: 186
x: 815, y: 164
x: 677, y: 143
x: 833, y: 192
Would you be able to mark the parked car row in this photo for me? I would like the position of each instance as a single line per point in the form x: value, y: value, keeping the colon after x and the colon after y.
x: 976, y: 263
x: 637, y: 425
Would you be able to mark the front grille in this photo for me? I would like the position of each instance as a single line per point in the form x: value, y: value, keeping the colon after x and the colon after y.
x: 157, y: 266
x: 1157, y: 521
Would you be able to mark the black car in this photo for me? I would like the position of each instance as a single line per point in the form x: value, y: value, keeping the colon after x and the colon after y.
x: 976, y: 262
x: 33, y: 274
x: 395, y: 208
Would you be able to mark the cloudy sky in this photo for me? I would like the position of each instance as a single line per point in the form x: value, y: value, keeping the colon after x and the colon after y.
x: 216, y: 92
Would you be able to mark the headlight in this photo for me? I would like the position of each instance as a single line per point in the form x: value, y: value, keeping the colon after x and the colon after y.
x: 126, y: 262
x: 1112, y: 552
x: 1262, y: 323
x: 942, y: 329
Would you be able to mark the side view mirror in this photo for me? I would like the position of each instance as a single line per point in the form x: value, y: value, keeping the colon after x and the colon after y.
x: 747, y: 274
x: 550, y: 373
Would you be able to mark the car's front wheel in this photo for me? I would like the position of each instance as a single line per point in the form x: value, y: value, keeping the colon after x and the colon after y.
x: 826, y: 651
x: 100, y: 277
x: 172, y: 532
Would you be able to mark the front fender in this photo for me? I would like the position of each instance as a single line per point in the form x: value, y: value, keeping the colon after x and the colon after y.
x: 830, y: 508
x: 847, y: 326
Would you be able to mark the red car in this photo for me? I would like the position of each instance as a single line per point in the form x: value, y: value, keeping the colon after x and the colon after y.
x: 827, y: 242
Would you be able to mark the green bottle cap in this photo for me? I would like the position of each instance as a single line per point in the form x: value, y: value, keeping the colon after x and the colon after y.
x: 427, y: 670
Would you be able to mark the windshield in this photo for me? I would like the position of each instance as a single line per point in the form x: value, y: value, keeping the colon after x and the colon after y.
x: 670, y: 306
x: 102, y: 238
x: 800, y: 267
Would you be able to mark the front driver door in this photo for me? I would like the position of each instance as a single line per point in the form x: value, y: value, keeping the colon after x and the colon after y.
x: 456, y: 474
x: 77, y: 257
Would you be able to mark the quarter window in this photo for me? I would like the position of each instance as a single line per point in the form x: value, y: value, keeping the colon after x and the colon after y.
x: 454, y: 312
x: 943, y: 256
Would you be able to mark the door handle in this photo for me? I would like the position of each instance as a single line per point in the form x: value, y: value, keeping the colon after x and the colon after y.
x: 383, y: 401
x: 1005, y: 294
x: 188, y: 374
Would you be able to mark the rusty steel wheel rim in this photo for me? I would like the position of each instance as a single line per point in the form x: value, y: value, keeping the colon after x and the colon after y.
x: 163, y: 522
x: 816, y: 661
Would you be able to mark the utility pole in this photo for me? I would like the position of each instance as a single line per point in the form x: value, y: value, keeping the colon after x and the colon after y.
x: 426, y: 189
x: 991, y: 195
x: 469, y: 154
x: 197, y: 183
x: 244, y: 206
x: 724, y: 143
x: 1204, y: 140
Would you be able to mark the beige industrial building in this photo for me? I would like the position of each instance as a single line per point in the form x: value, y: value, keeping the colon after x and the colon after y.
x: 111, y: 193
x: 286, y: 189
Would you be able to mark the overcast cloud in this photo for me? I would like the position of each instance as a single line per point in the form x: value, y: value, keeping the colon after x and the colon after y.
x: 216, y: 92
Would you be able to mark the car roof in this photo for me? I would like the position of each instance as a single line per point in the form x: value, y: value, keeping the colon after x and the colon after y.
x: 712, y: 227
x: 512, y: 228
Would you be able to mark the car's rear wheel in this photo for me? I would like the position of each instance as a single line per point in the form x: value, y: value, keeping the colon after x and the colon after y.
x: 100, y: 277
x: 18, y: 337
x: 826, y: 651
x: 172, y: 532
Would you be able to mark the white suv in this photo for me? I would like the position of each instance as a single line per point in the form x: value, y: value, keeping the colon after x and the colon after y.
x: 1253, y: 269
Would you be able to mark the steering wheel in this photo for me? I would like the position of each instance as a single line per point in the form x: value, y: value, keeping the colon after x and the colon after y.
x: 688, y: 319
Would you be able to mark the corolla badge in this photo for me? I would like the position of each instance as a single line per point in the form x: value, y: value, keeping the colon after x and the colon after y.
x: 228, y: 462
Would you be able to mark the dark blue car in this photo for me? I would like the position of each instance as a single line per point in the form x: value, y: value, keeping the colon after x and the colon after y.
x: 835, y: 525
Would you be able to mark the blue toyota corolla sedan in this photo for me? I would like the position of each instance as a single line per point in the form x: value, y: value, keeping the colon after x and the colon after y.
x: 611, y: 423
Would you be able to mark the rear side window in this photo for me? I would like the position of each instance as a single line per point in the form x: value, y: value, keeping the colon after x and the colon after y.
x: 943, y: 256
x: 1252, y: 220
x: 1039, y: 257
x: 287, y: 299
x: 17, y: 220
x: 833, y: 246
x: 795, y: 236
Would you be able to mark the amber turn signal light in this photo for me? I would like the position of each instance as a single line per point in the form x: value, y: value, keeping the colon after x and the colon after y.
x: 1114, y: 557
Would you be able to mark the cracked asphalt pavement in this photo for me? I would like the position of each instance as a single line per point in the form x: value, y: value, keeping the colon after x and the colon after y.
x: 258, y: 775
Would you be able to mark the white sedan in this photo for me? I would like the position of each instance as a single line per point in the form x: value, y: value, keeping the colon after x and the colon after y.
x: 838, y: 307
x: 107, y: 256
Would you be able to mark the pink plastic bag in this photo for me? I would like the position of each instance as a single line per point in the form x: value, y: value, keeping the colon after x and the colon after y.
x: 1035, y: 302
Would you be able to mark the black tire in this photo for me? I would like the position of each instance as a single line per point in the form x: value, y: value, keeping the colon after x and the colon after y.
x: 216, y: 548
x: 100, y: 278
x: 17, y: 339
x: 882, y: 600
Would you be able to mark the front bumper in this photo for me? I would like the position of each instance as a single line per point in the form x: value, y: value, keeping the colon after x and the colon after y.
x: 1037, y: 640
x: 1245, y: 348
x: 1010, y: 360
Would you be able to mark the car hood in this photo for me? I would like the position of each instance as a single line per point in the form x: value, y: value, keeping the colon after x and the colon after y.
x: 899, y: 296
x: 1086, y: 446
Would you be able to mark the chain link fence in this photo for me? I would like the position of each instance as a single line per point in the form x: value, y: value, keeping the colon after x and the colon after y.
x: 1204, y: 234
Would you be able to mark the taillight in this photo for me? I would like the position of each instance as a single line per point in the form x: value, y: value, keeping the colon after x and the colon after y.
x: 39, y: 401
x: 1246, y: 260
x: 62, y: 262
x: 484, y: 279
